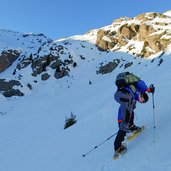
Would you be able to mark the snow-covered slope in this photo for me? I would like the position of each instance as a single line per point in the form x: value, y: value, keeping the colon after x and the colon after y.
x: 21, y: 41
x: 32, y: 133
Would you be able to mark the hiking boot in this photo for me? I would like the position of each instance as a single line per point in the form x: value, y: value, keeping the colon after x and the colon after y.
x: 135, y: 128
x: 122, y: 149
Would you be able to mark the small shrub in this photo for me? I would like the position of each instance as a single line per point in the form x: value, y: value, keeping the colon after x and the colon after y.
x: 70, y: 121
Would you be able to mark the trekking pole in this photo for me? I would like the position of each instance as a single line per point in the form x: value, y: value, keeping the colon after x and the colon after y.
x: 154, y: 116
x: 99, y: 145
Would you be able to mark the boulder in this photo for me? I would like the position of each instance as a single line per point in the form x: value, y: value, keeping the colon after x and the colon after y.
x: 109, y: 67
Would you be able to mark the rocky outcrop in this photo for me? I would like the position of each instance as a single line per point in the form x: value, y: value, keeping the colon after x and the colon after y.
x: 151, y: 30
x: 7, y: 58
x: 109, y: 67
x: 40, y: 64
x: 7, y: 88
x: 61, y: 67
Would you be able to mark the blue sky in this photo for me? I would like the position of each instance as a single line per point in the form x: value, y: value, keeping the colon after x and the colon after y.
x: 63, y: 18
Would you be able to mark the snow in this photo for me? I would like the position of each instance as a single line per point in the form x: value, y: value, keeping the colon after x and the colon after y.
x: 32, y: 134
x: 168, y: 13
x: 32, y: 127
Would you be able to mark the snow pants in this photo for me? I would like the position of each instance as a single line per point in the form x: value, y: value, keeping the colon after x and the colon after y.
x: 127, y: 105
x: 121, y: 135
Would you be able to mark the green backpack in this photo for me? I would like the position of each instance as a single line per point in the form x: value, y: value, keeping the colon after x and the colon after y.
x: 126, y: 79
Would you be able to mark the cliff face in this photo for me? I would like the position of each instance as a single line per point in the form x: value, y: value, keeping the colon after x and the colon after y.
x: 143, y: 35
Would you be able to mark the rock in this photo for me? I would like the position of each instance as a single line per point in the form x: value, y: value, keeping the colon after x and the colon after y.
x: 128, y: 65
x: 55, y: 64
x: 142, y: 28
x: 7, y: 88
x: 127, y: 32
x: 7, y: 58
x: 109, y: 67
x: 154, y: 43
x: 59, y: 74
x: 45, y: 76
x: 29, y: 86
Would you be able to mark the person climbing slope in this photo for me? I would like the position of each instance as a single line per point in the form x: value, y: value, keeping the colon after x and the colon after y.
x: 130, y: 89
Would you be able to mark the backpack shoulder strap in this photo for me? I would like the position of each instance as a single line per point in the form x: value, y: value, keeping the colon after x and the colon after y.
x: 131, y: 89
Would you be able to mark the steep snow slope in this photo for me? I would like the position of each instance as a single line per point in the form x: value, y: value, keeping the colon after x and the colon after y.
x: 32, y: 134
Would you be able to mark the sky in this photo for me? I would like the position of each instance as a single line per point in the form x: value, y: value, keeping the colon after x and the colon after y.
x: 62, y: 18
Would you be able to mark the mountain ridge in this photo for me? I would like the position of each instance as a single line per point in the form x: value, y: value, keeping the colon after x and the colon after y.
x: 44, y: 58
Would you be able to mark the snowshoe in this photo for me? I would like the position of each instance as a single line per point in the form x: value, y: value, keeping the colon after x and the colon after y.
x: 135, y: 133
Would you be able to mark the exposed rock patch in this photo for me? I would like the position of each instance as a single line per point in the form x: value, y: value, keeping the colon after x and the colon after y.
x: 151, y: 29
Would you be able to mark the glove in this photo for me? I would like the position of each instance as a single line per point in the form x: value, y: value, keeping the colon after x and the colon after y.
x: 151, y: 89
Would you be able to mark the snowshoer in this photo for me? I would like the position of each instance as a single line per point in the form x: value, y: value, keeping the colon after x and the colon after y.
x: 128, y: 93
